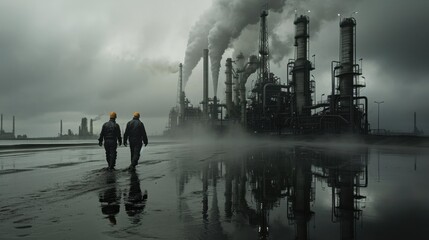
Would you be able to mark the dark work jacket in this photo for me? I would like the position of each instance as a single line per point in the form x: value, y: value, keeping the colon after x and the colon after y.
x: 110, y: 131
x: 135, y: 132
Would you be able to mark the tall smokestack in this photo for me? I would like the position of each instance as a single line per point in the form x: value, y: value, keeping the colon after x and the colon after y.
x: 347, y: 59
x: 415, y: 123
x: 228, y: 89
x: 1, y: 129
x: 205, y: 82
x: 91, y: 125
x: 13, y: 126
x: 61, y: 128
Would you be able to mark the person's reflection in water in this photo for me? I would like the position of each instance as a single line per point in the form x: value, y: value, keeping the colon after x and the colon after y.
x: 135, y: 202
x: 110, y: 198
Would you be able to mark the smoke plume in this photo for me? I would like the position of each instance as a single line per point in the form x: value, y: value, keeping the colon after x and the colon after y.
x: 197, y: 41
x: 97, y: 117
x: 217, y: 27
x: 159, y: 66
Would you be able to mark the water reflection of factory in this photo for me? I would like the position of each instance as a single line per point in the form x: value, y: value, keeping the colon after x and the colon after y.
x: 264, y: 180
x: 273, y: 105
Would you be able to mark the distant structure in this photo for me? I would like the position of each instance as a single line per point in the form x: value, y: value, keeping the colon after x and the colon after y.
x: 7, y: 135
x: 84, y: 131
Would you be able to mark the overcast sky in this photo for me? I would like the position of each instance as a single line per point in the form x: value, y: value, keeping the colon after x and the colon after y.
x: 68, y: 59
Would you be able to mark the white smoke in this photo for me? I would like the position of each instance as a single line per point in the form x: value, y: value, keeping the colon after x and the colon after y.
x: 98, y: 117
x: 159, y: 66
x: 197, y: 41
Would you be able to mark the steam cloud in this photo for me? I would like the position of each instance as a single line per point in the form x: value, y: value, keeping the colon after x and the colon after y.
x: 97, y: 117
x: 160, y: 66
x: 154, y: 66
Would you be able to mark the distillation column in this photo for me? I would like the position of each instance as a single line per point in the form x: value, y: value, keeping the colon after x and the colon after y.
x: 302, y: 68
x: 228, y: 89
x: 347, y: 63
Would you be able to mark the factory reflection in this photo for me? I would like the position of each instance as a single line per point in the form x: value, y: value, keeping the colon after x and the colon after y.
x: 258, y: 182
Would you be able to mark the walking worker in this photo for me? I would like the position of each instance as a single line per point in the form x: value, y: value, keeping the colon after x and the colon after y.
x: 136, y: 134
x: 111, y: 134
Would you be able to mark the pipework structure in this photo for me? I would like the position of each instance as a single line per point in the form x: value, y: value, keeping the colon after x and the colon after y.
x: 345, y: 97
x: 288, y: 107
x: 269, y: 98
x: 184, y: 114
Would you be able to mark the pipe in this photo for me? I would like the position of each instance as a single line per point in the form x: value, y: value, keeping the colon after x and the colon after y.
x: 366, y: 111
x: 205, y: 82
x: 287, y: 71
x: 333, y: 85
x: 228, y: 89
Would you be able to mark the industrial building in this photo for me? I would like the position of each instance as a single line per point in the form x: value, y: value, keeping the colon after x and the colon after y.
x: 283, y: 107
x: 7, y: 135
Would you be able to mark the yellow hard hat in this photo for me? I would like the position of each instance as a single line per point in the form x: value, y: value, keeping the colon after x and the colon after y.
x: 112, y: 115
x: 136, y: 115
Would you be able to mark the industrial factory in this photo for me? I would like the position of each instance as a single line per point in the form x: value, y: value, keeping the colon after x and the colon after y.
x: 275, y: 106
x: 83, y: 133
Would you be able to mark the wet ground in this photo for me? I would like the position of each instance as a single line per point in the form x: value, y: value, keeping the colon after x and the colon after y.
x: 216, y: 191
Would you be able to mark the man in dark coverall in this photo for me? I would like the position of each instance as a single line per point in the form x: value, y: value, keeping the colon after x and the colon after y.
x: 136, y: 133
x: 111, y: 133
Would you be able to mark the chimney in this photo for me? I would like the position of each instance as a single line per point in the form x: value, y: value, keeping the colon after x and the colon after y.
x: 61, y: 128
x: 1, y: 129
x: 13, y: 126
x: 91, y: 125
x: 415, y: 123
x: 205, y: 82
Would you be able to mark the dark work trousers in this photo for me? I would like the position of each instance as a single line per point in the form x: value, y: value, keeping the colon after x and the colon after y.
x: 135, y: 148
x: 110, y: 147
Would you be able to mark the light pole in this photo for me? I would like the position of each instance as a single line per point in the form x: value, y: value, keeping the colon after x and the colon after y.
x: 378, y: 115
